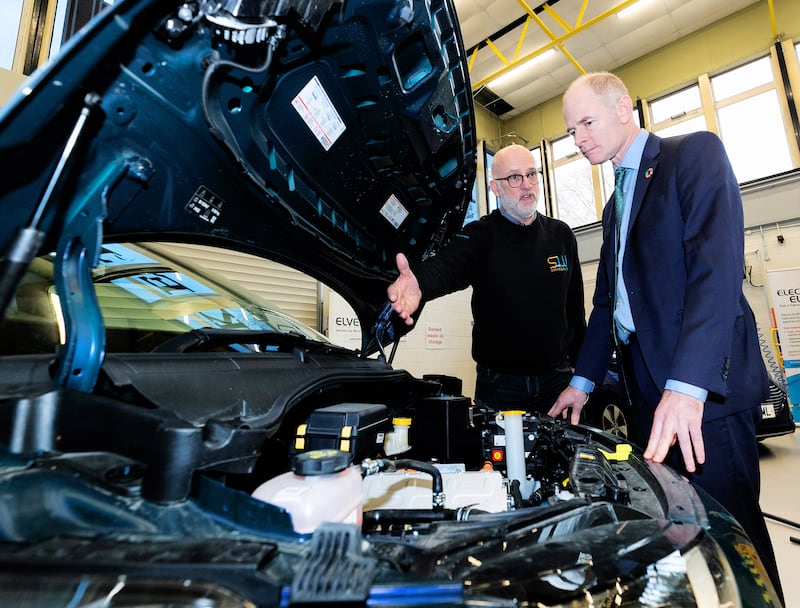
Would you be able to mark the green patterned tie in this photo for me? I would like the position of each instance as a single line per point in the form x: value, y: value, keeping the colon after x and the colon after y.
x: 619, y: 181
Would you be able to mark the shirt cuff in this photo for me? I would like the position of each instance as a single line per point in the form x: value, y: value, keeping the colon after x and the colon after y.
x: 582, y: 384
x: 686, y: 389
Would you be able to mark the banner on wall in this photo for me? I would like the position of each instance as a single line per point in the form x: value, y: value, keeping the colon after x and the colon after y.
x: 343, y: 326
x: 784, y: 289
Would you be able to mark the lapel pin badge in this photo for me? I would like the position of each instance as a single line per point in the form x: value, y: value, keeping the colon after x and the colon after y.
x: 649, y: 173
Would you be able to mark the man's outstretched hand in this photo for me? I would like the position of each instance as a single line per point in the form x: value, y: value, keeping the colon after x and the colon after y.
x: 678, y: 417
x: 404, y: 294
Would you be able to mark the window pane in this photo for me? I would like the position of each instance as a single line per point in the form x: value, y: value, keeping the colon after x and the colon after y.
x: 742, y: 79
x: 676, y: 104
x: 491, y: 199
x: 698, y: 123
x: 564, y: 148
x: 537, y: 154
x: 755, y: 137
x: 71, y: 16
x: 10, y: 14
x: 574, y: 195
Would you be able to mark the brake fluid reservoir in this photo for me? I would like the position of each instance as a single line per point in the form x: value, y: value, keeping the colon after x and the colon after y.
x: 320, y: 488
x: 397, y: 440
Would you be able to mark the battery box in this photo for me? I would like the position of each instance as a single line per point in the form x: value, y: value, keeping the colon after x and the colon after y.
x: 356, y: 428
x: 442, y: 429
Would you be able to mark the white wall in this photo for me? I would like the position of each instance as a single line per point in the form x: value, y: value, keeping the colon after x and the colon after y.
x: 441, y: 343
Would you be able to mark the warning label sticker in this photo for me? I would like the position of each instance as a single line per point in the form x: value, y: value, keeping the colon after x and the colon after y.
x: 394, y: 211
x: 319, y: 113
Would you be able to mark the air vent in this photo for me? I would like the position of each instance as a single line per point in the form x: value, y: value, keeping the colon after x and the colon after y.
x: 489, y: 100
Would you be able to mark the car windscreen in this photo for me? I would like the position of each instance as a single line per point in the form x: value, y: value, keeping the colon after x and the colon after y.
x: 145, y: 299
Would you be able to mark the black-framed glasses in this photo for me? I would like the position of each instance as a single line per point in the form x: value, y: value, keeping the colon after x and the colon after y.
x: 515, y: 179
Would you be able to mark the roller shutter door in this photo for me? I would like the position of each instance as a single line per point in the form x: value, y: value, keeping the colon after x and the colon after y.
x: 291, y: 291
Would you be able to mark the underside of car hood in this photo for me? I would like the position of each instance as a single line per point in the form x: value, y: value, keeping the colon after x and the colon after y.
x: 324, y: 135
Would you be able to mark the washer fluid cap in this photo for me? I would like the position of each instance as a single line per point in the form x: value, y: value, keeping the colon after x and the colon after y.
x: 320, y: 462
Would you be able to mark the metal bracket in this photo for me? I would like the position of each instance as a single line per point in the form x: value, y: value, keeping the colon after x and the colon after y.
x: 79, y: 359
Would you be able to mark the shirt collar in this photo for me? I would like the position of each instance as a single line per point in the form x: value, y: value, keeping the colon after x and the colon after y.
x: 633, y: 156
x: 514, y: 220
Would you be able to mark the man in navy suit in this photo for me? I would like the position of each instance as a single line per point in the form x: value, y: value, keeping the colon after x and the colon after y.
x: 669, y: 300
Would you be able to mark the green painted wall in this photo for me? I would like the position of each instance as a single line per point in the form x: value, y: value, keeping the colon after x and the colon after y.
x: 487, y: 125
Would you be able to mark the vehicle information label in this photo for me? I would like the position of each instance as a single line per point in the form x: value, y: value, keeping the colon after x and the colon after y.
x: 394, y: 211
x: 319, y: 113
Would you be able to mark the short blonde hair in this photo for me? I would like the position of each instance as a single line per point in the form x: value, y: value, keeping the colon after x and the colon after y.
x: 605, y: 85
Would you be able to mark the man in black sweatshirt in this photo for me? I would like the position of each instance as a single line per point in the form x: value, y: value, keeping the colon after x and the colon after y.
x: 527, y: 298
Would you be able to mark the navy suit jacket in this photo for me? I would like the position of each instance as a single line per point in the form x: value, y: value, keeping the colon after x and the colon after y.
x: 683, y: 268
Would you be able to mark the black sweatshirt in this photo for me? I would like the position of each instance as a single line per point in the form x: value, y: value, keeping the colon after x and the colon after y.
x: 527, y: 298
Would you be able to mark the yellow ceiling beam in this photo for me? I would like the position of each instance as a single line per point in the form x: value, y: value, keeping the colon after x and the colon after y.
x: 497, y: 52
x: 772, y: 19
x: 555, y: 41
x: 572, y: 59
x: 582, y: 12
x: 535, y: 17
x: 556, y: 17
x: 521, y: 38
x: 472, y: 59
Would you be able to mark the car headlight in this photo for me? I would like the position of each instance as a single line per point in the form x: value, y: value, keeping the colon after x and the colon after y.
x: 701, y: 577
x: 43, y: 591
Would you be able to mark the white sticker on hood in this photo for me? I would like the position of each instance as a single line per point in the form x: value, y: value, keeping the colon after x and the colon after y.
x: 394, y: 211
x: 319, y: 114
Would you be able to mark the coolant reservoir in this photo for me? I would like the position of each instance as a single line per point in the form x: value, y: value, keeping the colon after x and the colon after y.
x: 511, y: 422
x: 321, y: 488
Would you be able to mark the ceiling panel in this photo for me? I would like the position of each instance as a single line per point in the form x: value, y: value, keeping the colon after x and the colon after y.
x: 605, y: 44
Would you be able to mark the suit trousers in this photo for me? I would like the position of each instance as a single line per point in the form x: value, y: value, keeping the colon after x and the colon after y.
x: 730, y: 473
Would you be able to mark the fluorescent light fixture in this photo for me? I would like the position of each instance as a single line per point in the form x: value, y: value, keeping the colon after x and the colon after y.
x: 633, y: 8
x: 520, y: 68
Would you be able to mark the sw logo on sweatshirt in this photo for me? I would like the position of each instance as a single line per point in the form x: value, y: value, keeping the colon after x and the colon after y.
x: 558, y: 263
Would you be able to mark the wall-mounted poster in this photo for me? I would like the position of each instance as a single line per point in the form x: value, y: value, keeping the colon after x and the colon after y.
x: 784, y: 291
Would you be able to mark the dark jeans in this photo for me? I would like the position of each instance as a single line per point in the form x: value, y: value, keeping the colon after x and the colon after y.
x: 534, y: 393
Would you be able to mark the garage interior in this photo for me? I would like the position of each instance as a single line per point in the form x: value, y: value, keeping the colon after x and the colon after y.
x: 523, y: 55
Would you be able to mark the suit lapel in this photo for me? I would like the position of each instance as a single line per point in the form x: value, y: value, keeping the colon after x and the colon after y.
x: 647, y: 169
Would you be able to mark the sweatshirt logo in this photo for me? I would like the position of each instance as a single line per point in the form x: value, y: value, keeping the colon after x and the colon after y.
x: 558, y: 263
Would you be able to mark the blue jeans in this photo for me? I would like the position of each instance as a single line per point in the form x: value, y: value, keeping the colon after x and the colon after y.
x: 535, y: 393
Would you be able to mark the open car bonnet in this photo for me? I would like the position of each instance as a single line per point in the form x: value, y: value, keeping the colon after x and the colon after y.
x: 324, y: 135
